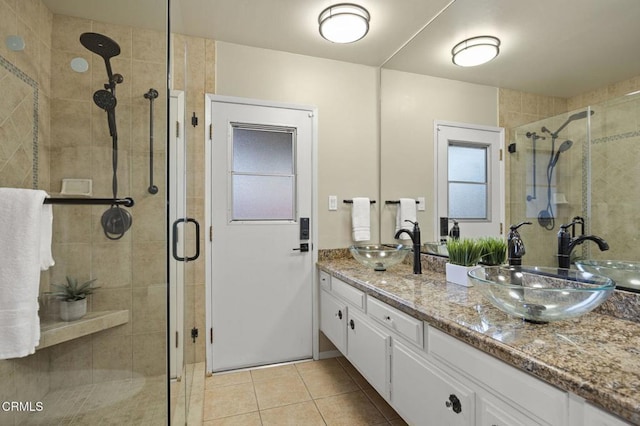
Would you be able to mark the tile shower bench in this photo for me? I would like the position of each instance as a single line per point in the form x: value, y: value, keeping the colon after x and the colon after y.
x: 53, y: 332
x: 409, y: 334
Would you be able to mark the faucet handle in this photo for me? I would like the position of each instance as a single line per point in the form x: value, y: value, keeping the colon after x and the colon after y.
x: 515, y: 227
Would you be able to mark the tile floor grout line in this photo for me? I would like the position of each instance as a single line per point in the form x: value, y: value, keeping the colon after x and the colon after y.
x: 255, y: 394
x: 312, y: 398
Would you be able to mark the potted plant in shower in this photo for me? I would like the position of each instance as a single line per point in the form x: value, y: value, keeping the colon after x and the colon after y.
x: 464, y: 254
x: 73, y: 298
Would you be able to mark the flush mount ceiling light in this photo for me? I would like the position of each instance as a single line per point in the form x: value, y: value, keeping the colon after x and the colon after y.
x: 344, y: 23
x: 475, y: 51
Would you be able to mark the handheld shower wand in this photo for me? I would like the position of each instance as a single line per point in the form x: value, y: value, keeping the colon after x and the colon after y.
x: 116, y: 220
x: 546, y: 217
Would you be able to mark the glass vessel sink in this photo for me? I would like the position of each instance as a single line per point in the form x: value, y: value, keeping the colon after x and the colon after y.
x: 539, y: 294
x: 624, y: 273
x: 379, y: 257
x: 437, y: 248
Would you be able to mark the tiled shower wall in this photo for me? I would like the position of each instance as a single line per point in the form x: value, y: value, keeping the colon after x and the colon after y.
x: 131, y: 271
x: 33, y: 21
x: 74, y: 143
x: 614, y: 135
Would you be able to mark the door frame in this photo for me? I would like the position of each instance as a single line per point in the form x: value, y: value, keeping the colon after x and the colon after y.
x: 208, y: 202
x: 501, y: 170
x: 176, y: 197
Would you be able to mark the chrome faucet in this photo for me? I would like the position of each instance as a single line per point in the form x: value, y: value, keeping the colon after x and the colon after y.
x: 415, y: 238
x: 515, y: 245
x: 568, y: 241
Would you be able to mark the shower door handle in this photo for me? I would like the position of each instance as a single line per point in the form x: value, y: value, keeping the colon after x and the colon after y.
x: 175, y: 240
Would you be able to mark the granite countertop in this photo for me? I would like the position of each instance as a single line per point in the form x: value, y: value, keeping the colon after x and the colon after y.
x: 596, y: 356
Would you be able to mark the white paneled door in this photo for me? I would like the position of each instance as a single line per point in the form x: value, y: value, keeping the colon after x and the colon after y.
x: 261, y: 257
x: 470, y: 177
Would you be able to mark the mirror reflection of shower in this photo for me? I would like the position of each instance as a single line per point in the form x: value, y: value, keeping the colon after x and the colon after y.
x: 116, y: 220
x: 546, y: 216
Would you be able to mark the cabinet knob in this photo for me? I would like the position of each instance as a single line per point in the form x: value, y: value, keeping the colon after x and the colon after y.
x: 352, y: 325
x: 339, y: 315
x: 454, y: 403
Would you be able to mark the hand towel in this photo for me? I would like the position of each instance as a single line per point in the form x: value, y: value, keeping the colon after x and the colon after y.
x: 25, y: 226
x: 406, y: 211
x: 361, y: 219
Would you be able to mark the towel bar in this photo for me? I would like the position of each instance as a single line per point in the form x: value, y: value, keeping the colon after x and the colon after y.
x: 127, y: 202
x: 351, y: 201
x: 397, y: 202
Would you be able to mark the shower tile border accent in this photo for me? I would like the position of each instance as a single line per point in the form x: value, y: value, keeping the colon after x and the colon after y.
x: 34, y: 85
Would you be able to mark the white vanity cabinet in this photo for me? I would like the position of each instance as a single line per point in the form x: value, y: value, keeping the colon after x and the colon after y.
x: 333, y: 320
x: 506, y: 395
x: 594, y: 416
x: 426, y: 395
x: 432, y: 378
x: 368, y: 351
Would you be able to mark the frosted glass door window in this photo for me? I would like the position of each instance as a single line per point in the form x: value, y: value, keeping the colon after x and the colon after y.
x: 468, y: 182
x: 263, y: 173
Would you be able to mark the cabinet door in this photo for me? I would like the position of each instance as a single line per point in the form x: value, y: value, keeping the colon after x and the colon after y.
x: 368, y: 351
x: 333, y: 320
x: 423, y: 394
x: 495, y: 412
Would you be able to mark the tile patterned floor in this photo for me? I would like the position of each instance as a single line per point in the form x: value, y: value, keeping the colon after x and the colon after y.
x: 327, y: 392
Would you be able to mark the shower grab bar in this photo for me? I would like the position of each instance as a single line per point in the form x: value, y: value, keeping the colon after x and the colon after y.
x: 127, y: 202
x: 151, y: 95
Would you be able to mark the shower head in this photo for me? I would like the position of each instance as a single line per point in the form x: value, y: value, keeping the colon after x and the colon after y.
x: 105, y: 99
x: 106, y: 48
x: 100, y: 45
x: 564, y: 146
x: 577, y: 116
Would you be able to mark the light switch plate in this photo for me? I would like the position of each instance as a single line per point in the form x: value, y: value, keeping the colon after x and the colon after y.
x: 333, y: 202
x: 422, y: 206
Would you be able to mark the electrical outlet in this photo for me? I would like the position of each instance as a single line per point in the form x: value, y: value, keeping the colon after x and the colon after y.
x: 333, y: 202
x: 422, y: 206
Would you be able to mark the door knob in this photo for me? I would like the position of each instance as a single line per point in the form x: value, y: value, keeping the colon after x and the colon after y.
x: 303, y: 247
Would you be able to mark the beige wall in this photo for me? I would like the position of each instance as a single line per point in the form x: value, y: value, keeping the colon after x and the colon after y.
x: 410, y: 105
x: 346, y: 97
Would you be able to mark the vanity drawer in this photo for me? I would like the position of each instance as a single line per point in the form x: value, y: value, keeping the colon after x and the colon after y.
x: 325, y: 280
x: 347, y: 292
x: 401, y: 323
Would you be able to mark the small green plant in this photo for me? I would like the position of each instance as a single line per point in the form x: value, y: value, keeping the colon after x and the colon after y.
x: 465, y: 252
x: 494, y: 250
x: 72, y: 290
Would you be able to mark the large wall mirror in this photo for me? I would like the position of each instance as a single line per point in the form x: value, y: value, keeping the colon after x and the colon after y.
x: 419, y: 85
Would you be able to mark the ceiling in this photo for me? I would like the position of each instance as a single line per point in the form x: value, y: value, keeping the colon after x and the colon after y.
x: 550, y: 47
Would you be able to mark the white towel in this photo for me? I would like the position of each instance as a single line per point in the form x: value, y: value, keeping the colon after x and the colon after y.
x: 406, y: 211
x: 361, y: 219
x: 25, y: 226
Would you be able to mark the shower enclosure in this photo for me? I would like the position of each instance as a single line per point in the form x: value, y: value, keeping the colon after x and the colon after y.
x: 586, y: 168
x: 59, y: 130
